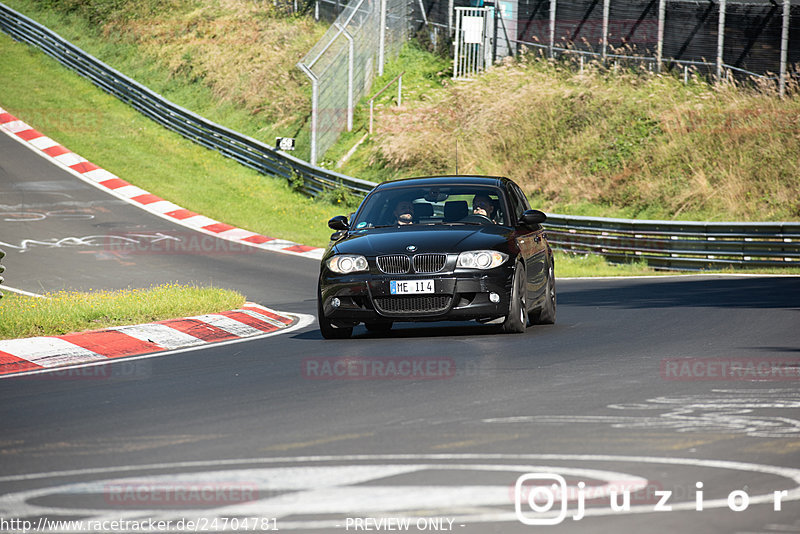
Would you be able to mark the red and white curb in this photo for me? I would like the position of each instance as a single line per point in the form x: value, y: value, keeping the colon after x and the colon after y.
x: 37, y: 354
x: 102, y: 179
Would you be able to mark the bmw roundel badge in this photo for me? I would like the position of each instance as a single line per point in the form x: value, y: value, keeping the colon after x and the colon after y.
x: 411, y: 248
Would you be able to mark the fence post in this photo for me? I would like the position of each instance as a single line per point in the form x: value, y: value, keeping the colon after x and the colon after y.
x: 662, y: 11
x: 382, y: 44
x: 350, y: 63
x: 552, y: 27
x: 314, y: 111
x: 490, y: 35
x: 457, y: 40
x: 784, y: 46
x: 720, y: 38
x: 606, y: 6
x: 450, y: 9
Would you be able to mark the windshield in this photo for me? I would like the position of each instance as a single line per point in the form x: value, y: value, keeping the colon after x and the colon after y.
x: 458, y: 204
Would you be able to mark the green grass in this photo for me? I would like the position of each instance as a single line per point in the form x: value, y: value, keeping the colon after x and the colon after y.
x: 570, y: 265
x: 65, y: 312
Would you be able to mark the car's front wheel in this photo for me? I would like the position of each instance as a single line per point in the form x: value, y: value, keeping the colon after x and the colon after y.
x: 517, y: 318
x: 327, y: 329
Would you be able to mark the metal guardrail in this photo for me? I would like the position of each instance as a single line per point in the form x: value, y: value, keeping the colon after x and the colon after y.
x: 663, y: 244
x: 679, y: 245
x: 246, y: 150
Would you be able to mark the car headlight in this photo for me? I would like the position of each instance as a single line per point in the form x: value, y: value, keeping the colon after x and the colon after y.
x: 481, y: 259
x: 347, y: 263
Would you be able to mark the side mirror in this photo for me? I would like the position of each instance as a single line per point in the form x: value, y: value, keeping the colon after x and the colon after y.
x: 532, y: 218
x: 338, y: 223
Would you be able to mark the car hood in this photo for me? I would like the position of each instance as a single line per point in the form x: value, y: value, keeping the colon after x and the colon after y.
x: 438, y: 238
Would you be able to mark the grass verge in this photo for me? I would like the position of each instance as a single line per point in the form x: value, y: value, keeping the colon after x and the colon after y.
x: 68, y: 311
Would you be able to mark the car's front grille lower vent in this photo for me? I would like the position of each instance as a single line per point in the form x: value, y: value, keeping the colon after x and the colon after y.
x: 413, y: 304
x: 394, y: 264
x: 429, y: 263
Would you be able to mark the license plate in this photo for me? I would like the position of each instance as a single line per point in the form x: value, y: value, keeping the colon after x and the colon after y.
x: 410, y: 287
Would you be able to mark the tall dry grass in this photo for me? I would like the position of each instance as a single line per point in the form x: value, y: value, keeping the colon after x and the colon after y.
x: 244, y: 51
x: 629, y: 143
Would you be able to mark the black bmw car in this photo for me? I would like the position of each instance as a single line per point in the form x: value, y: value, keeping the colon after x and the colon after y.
x: 434, y: 249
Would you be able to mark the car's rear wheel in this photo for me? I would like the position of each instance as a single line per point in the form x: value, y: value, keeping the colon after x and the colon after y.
x: 328, y: 330
x: 517, y: 318
x: 384, y: 326
x: 548, y: 313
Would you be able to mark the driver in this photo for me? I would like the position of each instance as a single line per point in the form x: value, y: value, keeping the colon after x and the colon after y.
x: 404, y: 212
x: 483, y: 205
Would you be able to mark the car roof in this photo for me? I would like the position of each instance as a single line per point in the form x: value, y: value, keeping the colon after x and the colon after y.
x: 497, y: 181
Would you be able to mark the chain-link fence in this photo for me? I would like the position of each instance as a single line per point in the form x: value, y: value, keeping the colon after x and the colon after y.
x: 746, y: 38
x: 344, y: 62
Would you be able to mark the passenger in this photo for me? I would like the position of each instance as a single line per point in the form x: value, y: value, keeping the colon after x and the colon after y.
x: 483, y: 205
x: 404, y: 212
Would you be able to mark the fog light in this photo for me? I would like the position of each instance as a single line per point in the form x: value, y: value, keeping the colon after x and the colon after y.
x: 494, y: 297
x: 335, y: 302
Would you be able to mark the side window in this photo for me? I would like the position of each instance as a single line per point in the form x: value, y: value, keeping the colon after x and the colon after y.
x: 525, y: 204
x: 518, y: 202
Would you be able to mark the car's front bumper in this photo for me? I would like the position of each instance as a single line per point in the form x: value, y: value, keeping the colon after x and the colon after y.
x: 366, y: 297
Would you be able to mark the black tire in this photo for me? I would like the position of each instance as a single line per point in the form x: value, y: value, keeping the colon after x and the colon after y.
x: 517, y: 318
x: 379, y: 327
x: 547, y: 315
x: 327, y: 330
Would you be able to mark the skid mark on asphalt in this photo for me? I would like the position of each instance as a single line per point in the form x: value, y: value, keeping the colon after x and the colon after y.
x: 110, y: 241
x: 314, y: 442
x: 112, y: 446
x: 729, y: 411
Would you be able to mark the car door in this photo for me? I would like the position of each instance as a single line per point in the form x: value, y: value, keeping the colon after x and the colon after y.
x: 531, y: 244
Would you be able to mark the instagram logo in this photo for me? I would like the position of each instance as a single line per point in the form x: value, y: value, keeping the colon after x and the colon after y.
x: 539, y: 491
